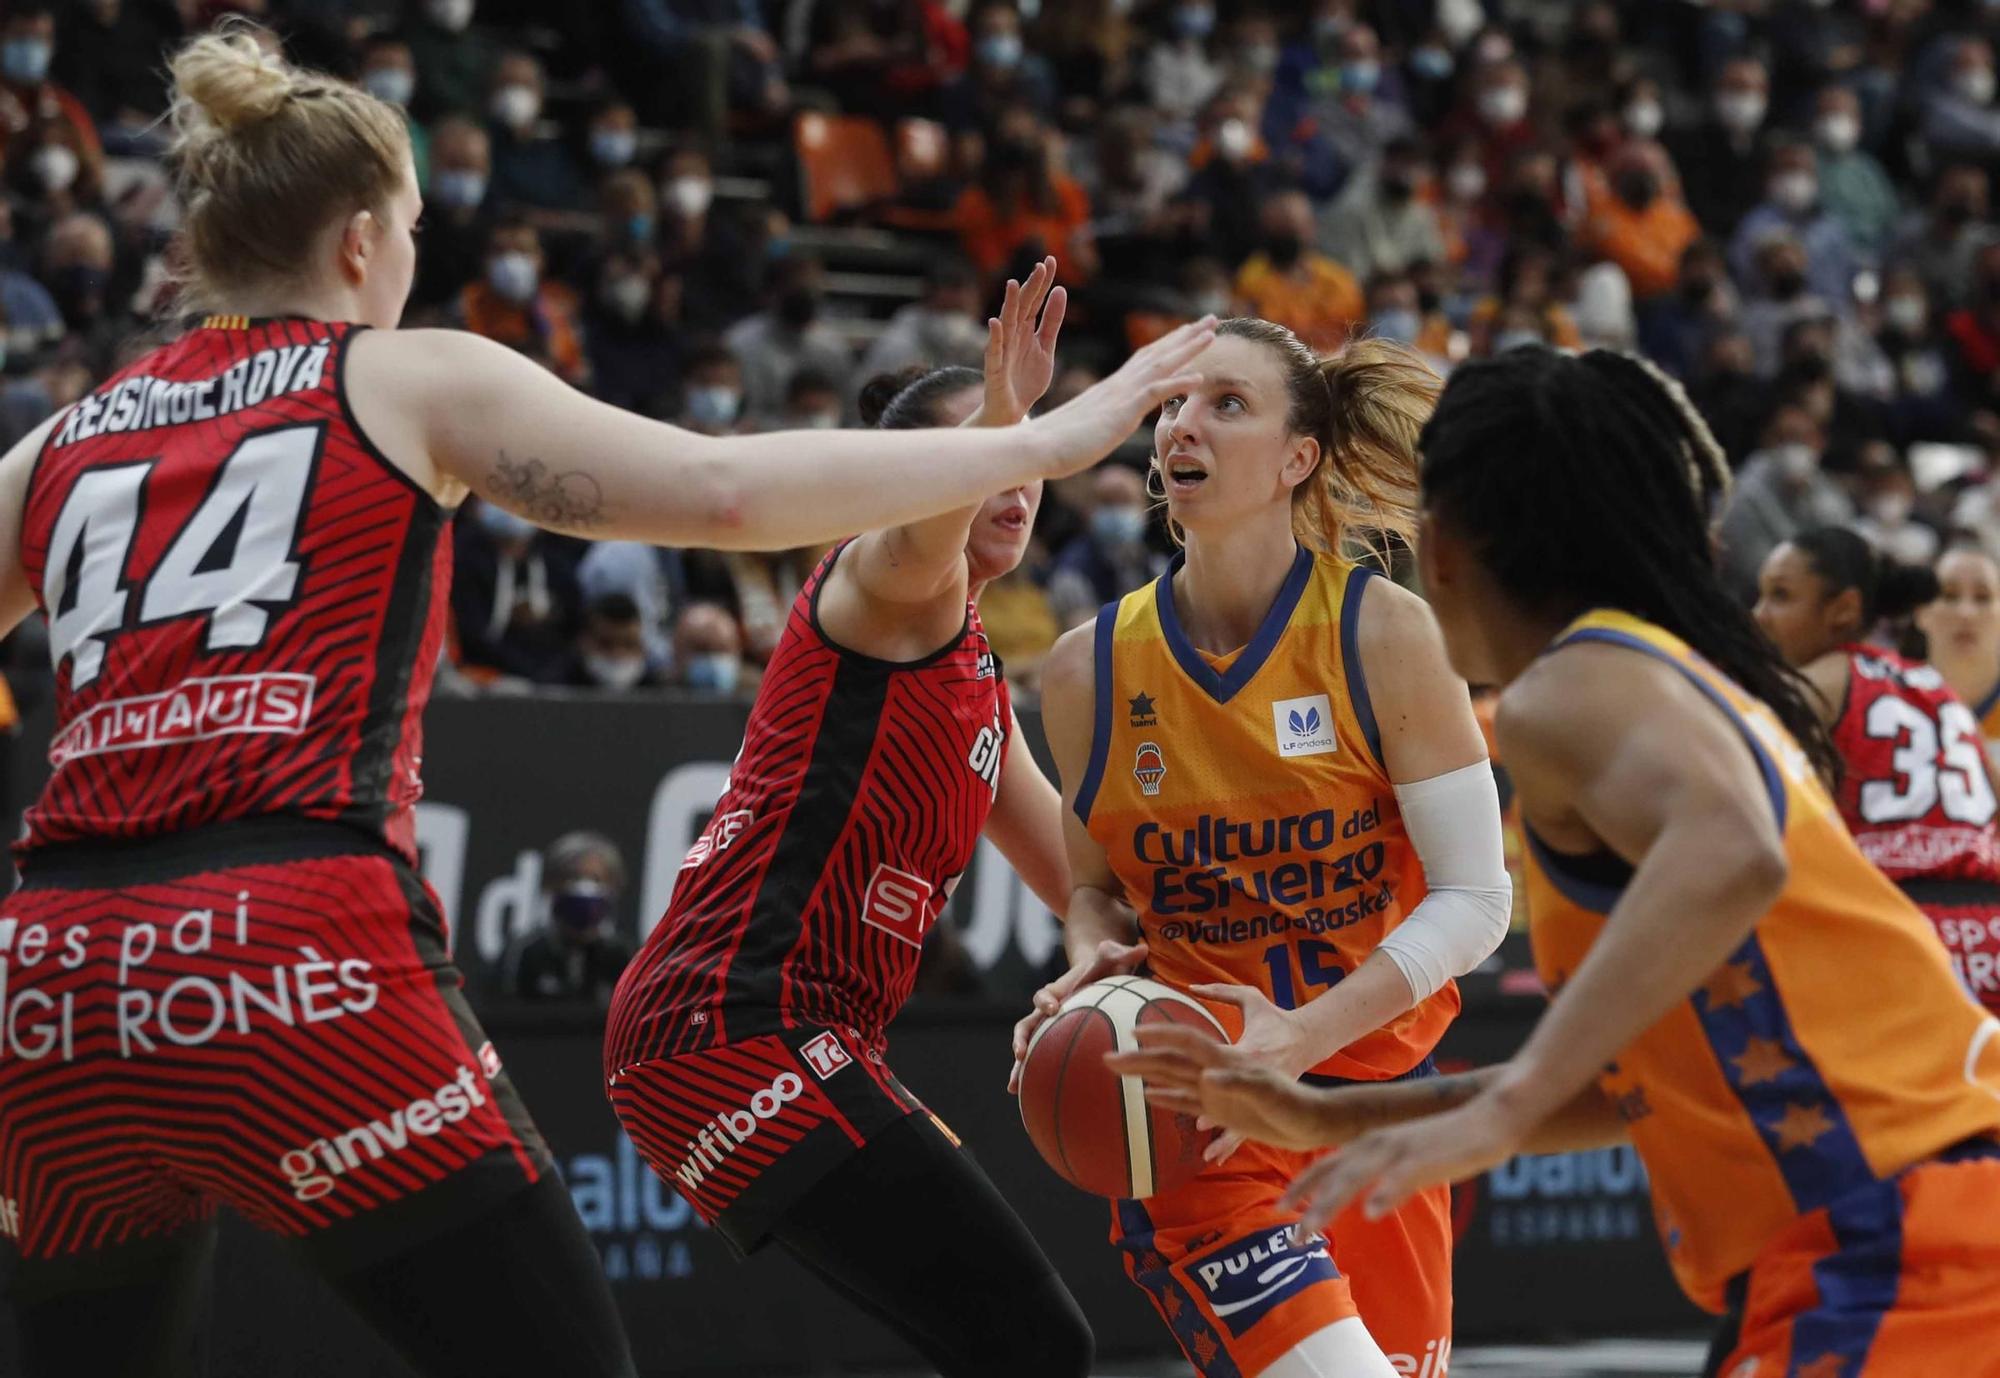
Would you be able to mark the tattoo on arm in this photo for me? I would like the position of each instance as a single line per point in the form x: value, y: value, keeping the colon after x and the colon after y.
x: 568, y: 501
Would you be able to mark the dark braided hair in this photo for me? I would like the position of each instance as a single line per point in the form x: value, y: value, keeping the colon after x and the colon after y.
x: 908, y: 398
x: 1587, y: 482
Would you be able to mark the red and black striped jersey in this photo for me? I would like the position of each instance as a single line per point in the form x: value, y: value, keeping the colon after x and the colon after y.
x: 246, y: 600
x: 1914, y: 790
x: 852, y: 809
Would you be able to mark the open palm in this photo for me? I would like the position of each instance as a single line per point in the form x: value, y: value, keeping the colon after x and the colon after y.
x: 1021, y: 355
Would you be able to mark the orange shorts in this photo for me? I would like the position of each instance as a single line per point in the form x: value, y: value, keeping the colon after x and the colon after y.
x: 1900, y: 1279
x: 1215, y: 1257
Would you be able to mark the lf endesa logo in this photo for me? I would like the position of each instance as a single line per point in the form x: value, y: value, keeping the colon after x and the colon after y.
x: 312, y: 1170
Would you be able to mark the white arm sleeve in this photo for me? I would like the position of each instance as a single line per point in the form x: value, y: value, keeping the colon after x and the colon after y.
x: 1454, y: 822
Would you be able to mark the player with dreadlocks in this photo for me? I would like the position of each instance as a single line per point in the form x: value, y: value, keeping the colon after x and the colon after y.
x: 1767, y: 1018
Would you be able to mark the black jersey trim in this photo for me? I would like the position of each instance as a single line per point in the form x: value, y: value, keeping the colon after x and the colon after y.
x: 368, y: 446
x: 875, y: 663
x: 103, y: 863
x: 397, y: 647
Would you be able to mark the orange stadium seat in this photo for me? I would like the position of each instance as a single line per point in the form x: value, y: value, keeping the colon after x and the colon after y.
x: 845, y: 163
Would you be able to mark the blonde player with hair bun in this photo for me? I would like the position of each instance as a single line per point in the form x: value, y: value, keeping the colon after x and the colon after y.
x: 1266, y: 755
x: 242, y: 544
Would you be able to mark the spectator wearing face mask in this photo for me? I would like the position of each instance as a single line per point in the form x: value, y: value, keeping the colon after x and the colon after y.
x: 1675, y: 326
x: 1852, y: 185
x: 611, y: 141
x: 1778, y: 294
x: 1111, y: 555
x: 532, y: 167
x: 78, y: 260
x: 458, y: 214
x: 1356, y: 115
x: 1922, y: 405
x: 1468, y: 219
x: 610, y: 651
x: 514, y: 596
x: 27, y: 94
x: 1960, y: 119
x: 940, y: 329
x: 576, y: 953
x: 1726, y: 390
x: 632, y: 333
x: 1002, y: 75
x: 1941, y: 240
x: 1181, y: 75
x: 1396, y: 312
x: 1641, y: 111
x: 812, y: 402
x: 53, y: 172
x: 629, y: 212
x: 1233, y: 175
x: 1496, y: 117
x: 1381, y: 223
x: 786, y: 338
x: 1792, y: 206
x: 1022, y: 207
x: 1722, y: 176
x: 1640, y: 224
x: 708, y: 651
x: 702, y: 245
x: 712, y: 399
x: 1779, y: 492
x: 389, y: 73
x: 1291, y: 282
x: 1889, y: 518
x: 1526, y: 307
x: 511, y: 303
x: 455, y: 61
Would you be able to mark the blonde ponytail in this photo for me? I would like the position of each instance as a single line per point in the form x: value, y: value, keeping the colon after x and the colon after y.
x: 1380, y: 394
x: 266, y: 156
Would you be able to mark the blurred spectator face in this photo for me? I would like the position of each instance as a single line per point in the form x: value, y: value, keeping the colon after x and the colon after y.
x: 626, y: 285
x: 54, y: 159
x: 1287, y: 221
x: 1838, y: 122
x: 1518, y: 327
x: 1793, y: 180
x: 1781, y: 262
x: 714, y: 394
x: 27, y: 43
x: 629, y: 204
x: 1702, y: 272
x: 1403, y: 170
x: 1207, y: 286
x: 1493, y: 45
x: 797, y: 291
x: 516, y: 100
x: 389, y: 73
x: 79, y: 259
x: 1360, y: 61
x: 996, y: 38
x: 690, y: 184
x: 1742, y: 94
x: 612, y: 644
x: 514, y: 263
x: 1193, y: 20
x: 1465, y: 175
x: 1255, y: 45
x: 1905, y: 304
x: 1643, y: 115
x: 614, y: 136
x: 1806, y: 340
x: 708, y: 647
x: 668, y: 293
x: 1960, y: 198
x: 1794, y: 441
x: 1633, y: 179
x: 1533, y: 174
x: 1503, y: 95
x: 1118, y: 507
x: 450, y: 15
x: 812, y: 405
x: 1888, y: 493
x: 1729, y: 355
x: 1394, y: 309
x: 1972, y: 71
x: 583, y: 878
x: 461, y: 164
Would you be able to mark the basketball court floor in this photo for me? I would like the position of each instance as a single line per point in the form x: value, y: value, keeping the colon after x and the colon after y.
x: 1594, y: 1359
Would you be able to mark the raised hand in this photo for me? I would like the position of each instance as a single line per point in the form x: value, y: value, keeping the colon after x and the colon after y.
x: 1091, y: 425
x: 1021, y: 356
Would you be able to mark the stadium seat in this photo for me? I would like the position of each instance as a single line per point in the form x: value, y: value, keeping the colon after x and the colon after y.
x: 844, y: 164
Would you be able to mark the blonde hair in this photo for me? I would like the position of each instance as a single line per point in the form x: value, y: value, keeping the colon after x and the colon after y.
x: 265, y: 156
x: 1366, y: 406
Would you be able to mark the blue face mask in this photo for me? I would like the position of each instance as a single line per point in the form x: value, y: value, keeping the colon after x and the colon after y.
x: 580, y: 908
x: 1361, y: 76
x: 1398, y: 323
x: 25, y: 61
x: 639, y: 227
x: 1118, y: 526
x: 1194, y: 21
x: 460, y: 189
x: 613, y: 147
x: 713, y: 406
x: 1433, y: 64
x: 1000, y: 50
x: 715, y: 672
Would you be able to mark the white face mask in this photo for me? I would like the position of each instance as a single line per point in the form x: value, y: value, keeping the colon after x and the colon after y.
x: 1795, y: 191
x: 1467, y: 181
x: 628, y: 296
x: 55, y: 166
x: 450, y: 15
x: 1839, y: 131
x: 614, y: 672
x: 1975, y: 84
x: 1234, y: 140
x: 516, y: 106
x: 1795, y: 462
x: 1503, y: 104
x: 820, y: 421
x: 391, y: 84
x: 1643, y: 118
x: 1890, y: 509
x: 513, y: 275
x: 690, y: 196
x: 1906, y: 313
x: 715, y: 671
x: 1740, y: 111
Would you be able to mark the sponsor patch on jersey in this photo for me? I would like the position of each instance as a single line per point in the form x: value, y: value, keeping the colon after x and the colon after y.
x: 1149, y: 767
x: 898, y: 903
x: 1304, y: 726
x: 1143, y: 711
x: 1245, y: 1279
x: 825, y: 1055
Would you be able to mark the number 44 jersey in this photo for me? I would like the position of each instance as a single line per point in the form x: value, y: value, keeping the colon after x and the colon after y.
x: 245, y: 598
x: 1915, y: 792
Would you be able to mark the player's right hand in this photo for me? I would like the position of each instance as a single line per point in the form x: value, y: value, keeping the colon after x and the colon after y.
x: 1108, y: 958
x: 1096, y: 421
x: 1190, y: 1071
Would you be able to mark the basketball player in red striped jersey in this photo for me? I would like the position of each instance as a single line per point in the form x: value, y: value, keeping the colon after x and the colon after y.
x: 747, y: 1043
x: 224, y: 981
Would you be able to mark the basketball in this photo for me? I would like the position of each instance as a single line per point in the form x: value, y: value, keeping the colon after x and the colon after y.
x: 1093, y: 1126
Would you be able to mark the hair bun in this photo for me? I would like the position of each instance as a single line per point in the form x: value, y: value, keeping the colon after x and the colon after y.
x: 878, y: 392
x: 227, y: 80
x: 1902, y: 588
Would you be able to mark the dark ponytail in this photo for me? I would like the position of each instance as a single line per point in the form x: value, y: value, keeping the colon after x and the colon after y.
x: 908, y: 399
x: 1890, y: 590
x: 1589, y: 482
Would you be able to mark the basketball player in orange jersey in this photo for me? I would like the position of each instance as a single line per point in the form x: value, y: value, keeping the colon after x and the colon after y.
x: 1915, y: 788
x: 1266, y: 754
x: 223, y: 979
x: 1963, y: 627
x: 1770, y: 1021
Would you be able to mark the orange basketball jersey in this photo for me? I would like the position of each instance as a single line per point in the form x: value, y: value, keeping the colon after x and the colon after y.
x: 1833, y: 1050
x: 1243, y: 805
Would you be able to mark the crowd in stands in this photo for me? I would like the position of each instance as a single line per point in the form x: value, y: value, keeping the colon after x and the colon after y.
x: 731, y: 213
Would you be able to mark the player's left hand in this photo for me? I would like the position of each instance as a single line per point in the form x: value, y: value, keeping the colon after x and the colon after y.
x: 1385, y: 1168
x: 1271, y: 1038
x: 1021, y: 356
